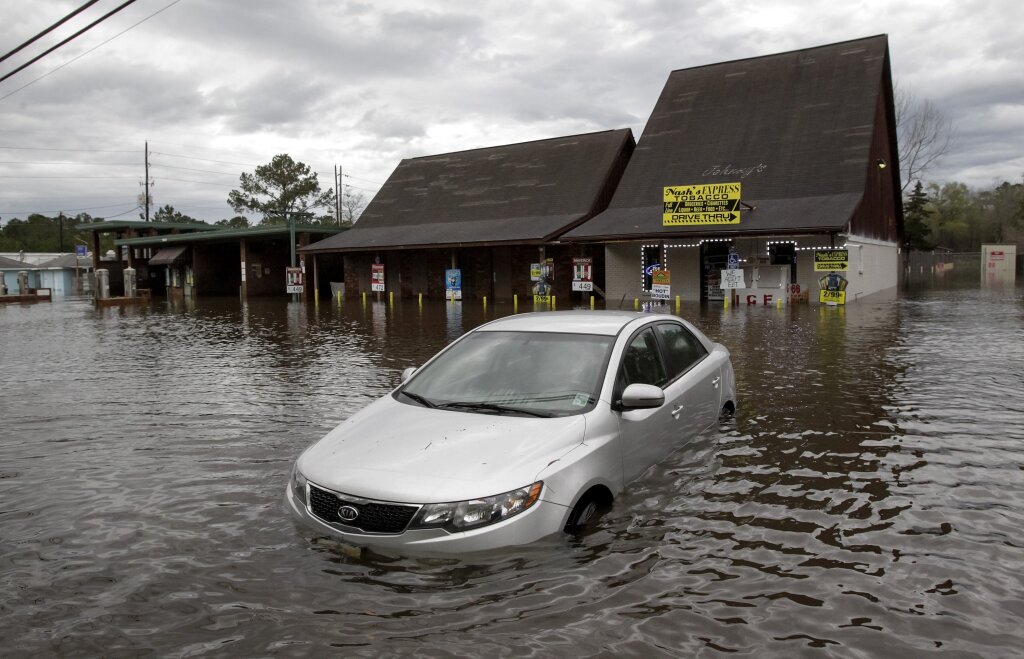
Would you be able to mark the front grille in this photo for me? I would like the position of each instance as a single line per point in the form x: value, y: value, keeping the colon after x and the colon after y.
x: 374, y: 517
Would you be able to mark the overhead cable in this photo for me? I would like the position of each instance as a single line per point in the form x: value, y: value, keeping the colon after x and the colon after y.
x: 50, y: 29
x: 71, y: 38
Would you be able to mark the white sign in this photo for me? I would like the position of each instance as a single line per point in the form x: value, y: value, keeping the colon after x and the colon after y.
x: 661, y: 291
x: 582, y: 285
x: 732, y: 279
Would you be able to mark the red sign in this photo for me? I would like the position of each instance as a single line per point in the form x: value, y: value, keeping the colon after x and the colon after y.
x: 377, y: 277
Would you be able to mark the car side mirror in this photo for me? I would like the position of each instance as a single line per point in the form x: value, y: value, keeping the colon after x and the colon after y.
x: 407, y: 373
x: 642, y: 397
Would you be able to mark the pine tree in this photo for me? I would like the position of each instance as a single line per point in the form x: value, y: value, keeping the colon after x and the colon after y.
x: 915, y: 216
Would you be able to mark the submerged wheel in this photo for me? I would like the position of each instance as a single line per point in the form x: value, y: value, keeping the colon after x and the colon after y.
x: 586, y: 511
x: 727, y: 413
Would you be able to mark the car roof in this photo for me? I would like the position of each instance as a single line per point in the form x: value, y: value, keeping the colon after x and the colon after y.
x: 574, y: 322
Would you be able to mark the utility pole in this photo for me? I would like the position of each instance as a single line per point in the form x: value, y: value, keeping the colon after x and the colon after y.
x: 147, y: 180
x: 339, y: 198
x: 60, y: 218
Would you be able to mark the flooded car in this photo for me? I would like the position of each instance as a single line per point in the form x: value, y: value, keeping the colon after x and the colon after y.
x: 521, y: 428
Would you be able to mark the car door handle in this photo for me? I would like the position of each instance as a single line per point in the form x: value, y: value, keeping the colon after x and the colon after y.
x: 676, y: 412
x: 714, y: 383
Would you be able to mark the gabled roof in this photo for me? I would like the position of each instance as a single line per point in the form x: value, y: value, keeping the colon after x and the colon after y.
x: 527, y: 192
x: 68, y: 261
x: 795, y: 129
x: 7, y: 264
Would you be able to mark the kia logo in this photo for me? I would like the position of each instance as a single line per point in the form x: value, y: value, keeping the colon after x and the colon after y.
x: 348, y: 513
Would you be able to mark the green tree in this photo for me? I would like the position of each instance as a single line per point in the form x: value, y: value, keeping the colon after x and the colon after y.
x: 915, y: 220
x: 237, y: 222
x: 280, y: 188
x: 166, y: 213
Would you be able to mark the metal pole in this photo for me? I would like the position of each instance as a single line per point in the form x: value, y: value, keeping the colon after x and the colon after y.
x: 291, y: 239
x: 337, y: 195
x: 147, y: 180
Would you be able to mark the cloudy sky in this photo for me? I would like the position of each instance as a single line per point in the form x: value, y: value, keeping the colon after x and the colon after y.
x: 218, y: 87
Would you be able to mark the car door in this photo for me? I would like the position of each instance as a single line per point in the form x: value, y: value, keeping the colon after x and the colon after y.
x: 694, y: 387
x: 645, y: 435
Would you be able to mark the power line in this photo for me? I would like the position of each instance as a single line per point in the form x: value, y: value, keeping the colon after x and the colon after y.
x: 44, y: 148
x: 67, y: 177
x: 103, y: 43
x: 222, y: 162
x: 69, y: 39
x: 50, y: 29
x: 69, y: 162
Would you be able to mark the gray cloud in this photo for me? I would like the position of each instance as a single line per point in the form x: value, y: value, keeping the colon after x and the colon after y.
x: 367, y: 84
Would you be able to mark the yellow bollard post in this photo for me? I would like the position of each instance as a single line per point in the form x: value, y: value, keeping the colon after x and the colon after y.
x: 726, y: 302
x: 591, y: 301
x: 485, y: 302
x: 515, y: 303
x: 339, y: 297
x: 552, y: 301
x: 391, y: 298
x: 316, y: 298
x: 779, y: 303
x: 420, y: 299
x: 677, y: 304
x: 364, y: 298
x: 636, y: 303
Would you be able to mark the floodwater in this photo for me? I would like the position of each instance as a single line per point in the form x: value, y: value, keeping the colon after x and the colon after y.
x: 867, y: 500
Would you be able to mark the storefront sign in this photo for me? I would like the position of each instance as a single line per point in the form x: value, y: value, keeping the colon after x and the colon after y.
x: 732, y: 279
x: 833, y: 289
x: 377, y: 277
x: 582, y: 274
x: 293, y: 280
x: 831, y: 260
x: 710, y: 203
x: 535, y: 272
x: 453, y: 284
x: 661, y: 285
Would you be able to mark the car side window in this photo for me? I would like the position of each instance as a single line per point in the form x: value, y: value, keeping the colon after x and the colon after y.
x: 641, y: 362
x: 681, y: 348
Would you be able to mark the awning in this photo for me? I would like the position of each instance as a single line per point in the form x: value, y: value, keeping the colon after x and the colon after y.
x: 168, y: 255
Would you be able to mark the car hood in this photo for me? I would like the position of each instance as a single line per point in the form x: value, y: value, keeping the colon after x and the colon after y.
x: 397, y: 452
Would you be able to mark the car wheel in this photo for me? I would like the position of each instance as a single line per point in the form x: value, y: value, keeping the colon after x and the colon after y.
x: 727, y: 413
x: 585, y: 513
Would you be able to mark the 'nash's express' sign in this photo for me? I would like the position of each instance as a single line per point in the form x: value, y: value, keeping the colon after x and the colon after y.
x: 710, y: 203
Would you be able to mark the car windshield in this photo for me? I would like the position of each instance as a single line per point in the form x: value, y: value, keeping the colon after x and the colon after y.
x: 523, y: 373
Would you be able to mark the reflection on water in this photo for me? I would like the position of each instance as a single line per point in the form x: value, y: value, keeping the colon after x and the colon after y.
x: 868, y: 499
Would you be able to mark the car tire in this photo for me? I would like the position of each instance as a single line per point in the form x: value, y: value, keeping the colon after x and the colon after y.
x: 584, y: 514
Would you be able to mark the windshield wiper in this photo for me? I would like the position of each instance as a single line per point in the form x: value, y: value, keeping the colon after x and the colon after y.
x: 492, y: 407
x: 425, y: 402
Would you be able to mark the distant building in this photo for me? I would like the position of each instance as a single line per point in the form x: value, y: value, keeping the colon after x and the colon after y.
x: 250, y: 262
x: 492, y: 214
x: 807, y: 139
x: 66, y: 274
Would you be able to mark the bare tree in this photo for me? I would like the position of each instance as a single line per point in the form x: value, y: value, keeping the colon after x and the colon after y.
x: 352, y: 204
x: 925, y: 134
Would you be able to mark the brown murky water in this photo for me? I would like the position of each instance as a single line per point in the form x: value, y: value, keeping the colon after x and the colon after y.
x: 868, y: 500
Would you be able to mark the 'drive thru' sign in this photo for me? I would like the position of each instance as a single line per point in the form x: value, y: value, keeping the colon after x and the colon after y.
x: 710, y: 203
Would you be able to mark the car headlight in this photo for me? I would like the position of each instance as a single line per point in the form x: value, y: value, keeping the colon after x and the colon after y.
x: 465, y: 515
x: 298, y: 485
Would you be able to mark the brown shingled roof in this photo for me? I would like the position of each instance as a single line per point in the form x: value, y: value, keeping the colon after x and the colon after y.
x: 794, y: 128
x: 527, y: 192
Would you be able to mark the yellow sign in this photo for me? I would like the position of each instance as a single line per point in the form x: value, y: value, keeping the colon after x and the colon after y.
x: 831, y: 260
x: 708, y: 203
x: 662, y: 277
x: 835, y: 297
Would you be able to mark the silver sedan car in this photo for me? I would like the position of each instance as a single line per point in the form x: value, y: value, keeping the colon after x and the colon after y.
x: 521, y: 428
